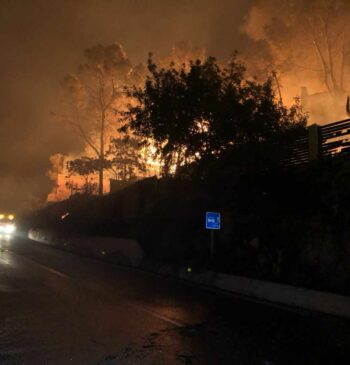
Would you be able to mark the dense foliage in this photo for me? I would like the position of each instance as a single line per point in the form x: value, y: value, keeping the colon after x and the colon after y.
x: 203, y: 112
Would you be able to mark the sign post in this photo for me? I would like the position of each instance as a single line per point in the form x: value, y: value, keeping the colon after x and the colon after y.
x: 212, y: 242
x: 212, y: 222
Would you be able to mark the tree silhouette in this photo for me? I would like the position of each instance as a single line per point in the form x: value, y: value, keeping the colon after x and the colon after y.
x: 125, y: 159
x: 202, y: 112
x: 95, y: 94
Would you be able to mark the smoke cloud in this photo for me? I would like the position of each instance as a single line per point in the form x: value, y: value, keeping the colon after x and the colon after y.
x: 42, y: 41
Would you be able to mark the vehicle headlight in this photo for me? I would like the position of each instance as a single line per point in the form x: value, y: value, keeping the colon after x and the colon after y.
x: 8, y: 228
x: 11, y: 228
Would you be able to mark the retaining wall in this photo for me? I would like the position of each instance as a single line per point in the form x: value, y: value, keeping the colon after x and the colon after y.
x: 120, y: 250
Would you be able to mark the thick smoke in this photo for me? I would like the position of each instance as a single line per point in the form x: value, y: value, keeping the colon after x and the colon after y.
x: 44, y: 40
x: 307, y: 43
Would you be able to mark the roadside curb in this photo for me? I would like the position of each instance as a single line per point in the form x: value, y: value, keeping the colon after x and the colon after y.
x: 287, y: 295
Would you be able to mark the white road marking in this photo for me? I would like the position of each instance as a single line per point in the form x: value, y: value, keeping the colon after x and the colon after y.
x: 156, y: 315
x: 44, y: 267
x: 7, y: 262
x: 53, y: 271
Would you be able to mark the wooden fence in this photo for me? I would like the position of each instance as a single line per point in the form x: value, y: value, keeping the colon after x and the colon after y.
x: 320, y: 142
x: 334, y: 138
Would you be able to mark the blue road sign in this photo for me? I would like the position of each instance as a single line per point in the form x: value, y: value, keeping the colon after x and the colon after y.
x: 212, y: 220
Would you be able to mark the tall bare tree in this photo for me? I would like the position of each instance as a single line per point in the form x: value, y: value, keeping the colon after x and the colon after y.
x: 308, y: 38
x: 94, y: 95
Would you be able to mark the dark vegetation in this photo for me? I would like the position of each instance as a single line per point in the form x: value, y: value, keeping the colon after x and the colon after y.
x: 223, y: 142
x: 290, y: 226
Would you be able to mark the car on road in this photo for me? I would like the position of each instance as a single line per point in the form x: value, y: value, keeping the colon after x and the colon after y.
x: 7, y: 228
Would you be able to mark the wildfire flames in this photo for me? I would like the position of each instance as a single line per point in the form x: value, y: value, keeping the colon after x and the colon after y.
x: 66, y: 184
x: 304, y: 56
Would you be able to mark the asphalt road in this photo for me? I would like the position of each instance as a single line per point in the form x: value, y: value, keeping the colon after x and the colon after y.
x: 58, y: 308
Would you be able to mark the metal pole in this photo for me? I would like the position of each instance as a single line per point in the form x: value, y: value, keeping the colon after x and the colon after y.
x: 212, y: 242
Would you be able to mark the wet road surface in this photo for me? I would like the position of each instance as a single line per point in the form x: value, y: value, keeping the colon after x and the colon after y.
x: 58, y: 308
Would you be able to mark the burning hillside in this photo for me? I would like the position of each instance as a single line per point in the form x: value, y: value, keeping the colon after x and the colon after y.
x: 93, y: 102
x: 303, y: 47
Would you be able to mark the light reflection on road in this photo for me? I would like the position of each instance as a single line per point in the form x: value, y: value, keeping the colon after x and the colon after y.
x: 57, y: 308
x: 5, y: 258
